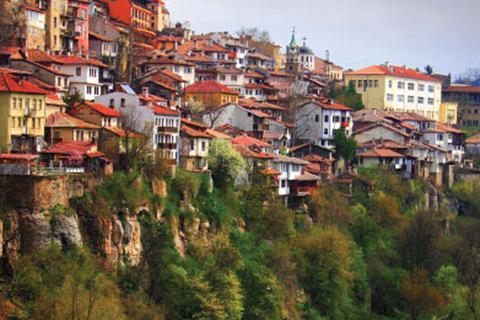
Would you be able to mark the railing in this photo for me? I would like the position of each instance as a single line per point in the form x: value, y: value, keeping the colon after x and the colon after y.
x: 13, y: 169
x: 168, y: 129
x: 170, y: 146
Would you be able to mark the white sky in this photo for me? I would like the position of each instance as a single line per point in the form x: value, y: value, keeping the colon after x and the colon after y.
x: 358, y: 33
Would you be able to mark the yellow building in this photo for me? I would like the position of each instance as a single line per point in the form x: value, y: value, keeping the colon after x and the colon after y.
x: 400, y: 89
x: 54, y: 10
x: 210, y: 93
x: 22, y: 115
x: 35, y: 28
x: 448, y: 113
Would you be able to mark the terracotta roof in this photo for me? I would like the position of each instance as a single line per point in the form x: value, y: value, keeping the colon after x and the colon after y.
x: 473, y: 139
x: 165, y: 111
x: 408, y: 116
x: 307, y: 177
x: 395, y: 71
x: 76, y: 60
x: 440, y: 127
x: 10, y: 83
x: 15, y: 71
x: 119, y: 132
x: 32, y: 8
x: 281, y: 74
x: 380, y: 143
x: 64, y: 120
x: 152, y: 98
x: 462, y: 89
x: 246, y: 152
x: 259, y: 86
x: 196, y: 124
x: 69, y: 147
x: 50, y: 69
x: 259, y: 113
x: 218, y: 135
x: 254, y: 74
x: 209, y: 87
x: 330, y: 105
x: 317, y: 158
x: 167, y: 61
x: 380, y: 153
x: 100, y: 36
x: 172, y: 75
x: 53, y: 99
x: 282, y: 158
x: 271, y: 135
x: 194, y: 133
x: 103, y: 110
x: 43, y: 85
x: 250, y: 142
x: 200, y: 58
x: 250, y: 103
x: 224, y: 70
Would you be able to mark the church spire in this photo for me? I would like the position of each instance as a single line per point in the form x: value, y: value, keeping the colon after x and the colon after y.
x: 293, y: 41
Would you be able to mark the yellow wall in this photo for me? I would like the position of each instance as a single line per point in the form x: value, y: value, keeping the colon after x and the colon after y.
x: 212, y: 99
x: 10, y: 117
x: 448, y: 112
x: 55, y: 9
x: 373, y: 97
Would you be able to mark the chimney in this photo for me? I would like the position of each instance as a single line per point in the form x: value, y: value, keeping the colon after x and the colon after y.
x: 145, y: 91
x: 386, y: 63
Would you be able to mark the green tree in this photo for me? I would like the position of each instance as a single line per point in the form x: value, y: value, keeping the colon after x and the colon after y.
x: 73, y: 99
x: 345, y: 146
x: 224, y: 161
x: 347, y: 96
x: 428, y: 69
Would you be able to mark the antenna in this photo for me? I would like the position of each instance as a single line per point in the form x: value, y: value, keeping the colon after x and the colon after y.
x: 327, y: 55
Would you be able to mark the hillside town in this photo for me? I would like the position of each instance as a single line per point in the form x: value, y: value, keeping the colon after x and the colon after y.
x: 84, y: 81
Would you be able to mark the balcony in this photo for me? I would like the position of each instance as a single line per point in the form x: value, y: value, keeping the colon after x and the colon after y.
x: 167, y: 130
x: 169, y: 146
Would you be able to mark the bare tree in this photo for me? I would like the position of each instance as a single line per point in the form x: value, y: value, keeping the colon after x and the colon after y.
x: 255, y: 33
x: 297, y: 97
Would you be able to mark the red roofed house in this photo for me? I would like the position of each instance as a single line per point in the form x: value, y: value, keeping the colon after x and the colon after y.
x: 395, y: 88
x: 194, y: 152
x: 319, y: 120
x: 210, y: 93
x: 98, y: 114
x: 90, y: 77
x: 64, y: 127
x: 22, y: 114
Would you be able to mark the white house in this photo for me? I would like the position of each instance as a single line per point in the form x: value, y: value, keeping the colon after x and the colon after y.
x: 318, y: 121
x: 86, y: 75
x: 290, y: 169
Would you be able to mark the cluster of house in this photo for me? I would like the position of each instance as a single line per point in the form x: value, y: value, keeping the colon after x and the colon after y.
x: 138, y: 77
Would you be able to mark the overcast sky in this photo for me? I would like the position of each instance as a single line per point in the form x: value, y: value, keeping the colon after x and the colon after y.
x: 358, y: 33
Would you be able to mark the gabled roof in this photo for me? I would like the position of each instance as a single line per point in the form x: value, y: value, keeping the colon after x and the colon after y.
x: 246, y: 152
x: 473, y: 139
x: 394, y: 71
x: 218, y: 135
x: 102, y: 109
x: 251, y: 103
x: 165, y: 111
x: 209, y: 87
x: 64, y: 120
x: 119, y: 132
x: 76, y: 60
x: 100, y: 37
x: 195, y: 124
x: 167, y: 61
x: 329, y: 105
x: 250, y: 142
x: 380, y: 153
x: 384, y: 125
x: 194, y: 133
x: 71, y: 147
x: 440, y: 127
x: 282, y: 158
x: 462, y: 89
x: 10, y: 83
x: 53, y: 99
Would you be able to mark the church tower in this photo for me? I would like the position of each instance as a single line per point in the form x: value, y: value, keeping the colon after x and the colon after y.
x: 293, y: 59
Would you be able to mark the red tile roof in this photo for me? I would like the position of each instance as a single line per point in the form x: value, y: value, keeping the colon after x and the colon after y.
x: 218, y: 135
x: 122, y: 133
x: 463, y: 89
x: 100, y: 37
x: 165, y: 111
x: 64, y: 120
x: 386, y: 126
x: 103, y: 110
x: 10, y: 83
x: 394, y: 71
x: 76, y: 60
x: 250, y: 142
x: 380, y: 153
x: 194, y: 133
x: 195, y: 124
x: 330, y: 105
x: 270, y: 172
x: 249, y: 153
x: 69, y: 147
x: 259, y: 86
x: 209, y: 87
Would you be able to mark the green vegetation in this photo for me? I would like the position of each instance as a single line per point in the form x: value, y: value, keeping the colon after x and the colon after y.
x: 347, y: 96
x: 376, y: 253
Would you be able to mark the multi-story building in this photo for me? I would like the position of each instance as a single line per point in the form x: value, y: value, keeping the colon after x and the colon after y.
x: 318, y: 121
x: 210, y: 93
x: 194, y: 148
x: 22, y: 115
x: 90, y: 77
x: 468, y: 99
x: 61, y: 126
x: 395, y: 88
x: 448, y: 113
x: 76, y: 27
x: 35, y: 28
x: 54, y: 9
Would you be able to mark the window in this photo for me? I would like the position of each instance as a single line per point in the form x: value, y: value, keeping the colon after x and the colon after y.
x: 400, y: 98
x: 40, y: 105
x: 375, y: 83
x: 27, y: 104
x: 13, y: 122
x: 359, y: 83
x: 370, y: 83
x: 92, y: 72
x: 421, y: 100
x: 421, y: 87
x: 336, y: 119
x: 59, y: 81
x: 389, y: 97
x: 192, y: 145
x: 316, y: 118
x: 122, y: 103
x: 78, y: 72
x: 34, y: 103
x: 325, y: 131
x: 97, y: 90
x: 401, y: 85
x: 390, y: 84
x: 14, y: 103
x: 89, y: 90
x: 325, y: 118
x: 112, y: 103
x: 411, y: 99
x: 234, y: 78
x: 411, y: 86
x: 19, y: 122
x: 430, y: 101
x: 204, y: 146
x: 283, y: 183
x: 431, y: 88
x: 440, y: 137
x: 223, y: 78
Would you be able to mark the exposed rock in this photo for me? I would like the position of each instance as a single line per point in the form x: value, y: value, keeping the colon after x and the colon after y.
x: 35, y: 230
x: 174, y: 223
x: 192, y: 227
x: 66, y: 231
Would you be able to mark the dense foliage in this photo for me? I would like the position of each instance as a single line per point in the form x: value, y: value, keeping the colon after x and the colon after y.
x: 375, y: 252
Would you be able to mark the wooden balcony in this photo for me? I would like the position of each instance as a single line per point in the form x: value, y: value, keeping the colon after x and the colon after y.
x: 169, y: 146
x: 168, y: 129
